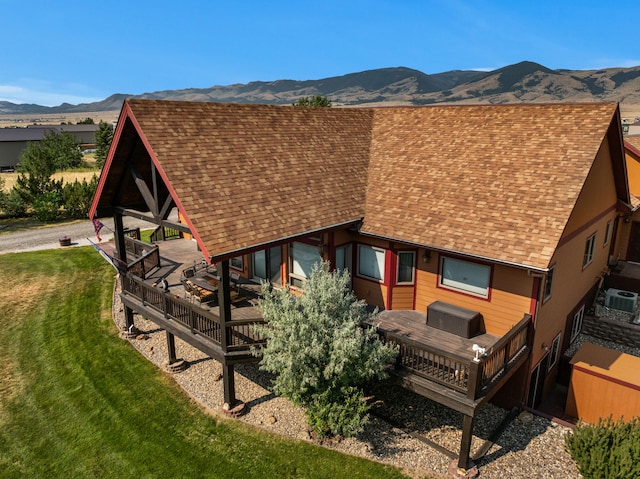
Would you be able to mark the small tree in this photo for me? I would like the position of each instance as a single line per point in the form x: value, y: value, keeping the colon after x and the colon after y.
x: 77, y: 197
x: 63, y: 148
x: 35, y: 169
x: 87, y: 121
x: 14, y: 205
x: 321, y: 352
x: 319, y: 101
x: 41, y: 159
x: 104, y: 137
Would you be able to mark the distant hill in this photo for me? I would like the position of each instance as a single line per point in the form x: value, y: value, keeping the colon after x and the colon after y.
x: 522, y: 82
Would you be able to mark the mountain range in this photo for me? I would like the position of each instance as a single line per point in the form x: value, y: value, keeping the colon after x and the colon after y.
x: 521, y: 82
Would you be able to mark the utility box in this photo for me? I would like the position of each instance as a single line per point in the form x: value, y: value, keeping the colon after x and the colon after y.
x: 454, y: 319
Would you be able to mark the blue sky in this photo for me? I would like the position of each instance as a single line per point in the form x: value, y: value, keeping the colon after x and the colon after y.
x: 75, y: 52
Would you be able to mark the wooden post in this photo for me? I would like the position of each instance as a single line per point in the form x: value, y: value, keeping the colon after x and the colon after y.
x: 224, y: 302
x: 128, y: 317
x: 171, y: 347
x: 119, y: 236
x: 464, y: 461
x: 229, y: 385
x: 474, y: 380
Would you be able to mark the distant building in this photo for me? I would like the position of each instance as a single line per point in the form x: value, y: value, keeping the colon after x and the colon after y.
x: 13, y: 141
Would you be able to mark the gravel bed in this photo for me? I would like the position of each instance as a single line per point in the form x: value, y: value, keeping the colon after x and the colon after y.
x: 530, y: 447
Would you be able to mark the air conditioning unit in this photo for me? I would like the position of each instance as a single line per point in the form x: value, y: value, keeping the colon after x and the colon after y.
x: 622, y: 300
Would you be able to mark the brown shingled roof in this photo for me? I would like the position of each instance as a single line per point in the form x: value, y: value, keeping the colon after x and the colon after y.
x: 633, y: 142
x: 497, y: 182
x: 492, y: 181
x: 246, y: 175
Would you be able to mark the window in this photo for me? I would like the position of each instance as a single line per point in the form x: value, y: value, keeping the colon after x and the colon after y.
x: 549, y: 283
x: 265, y: 265
x: 576, y: 327
x: 465, y: 276
x: 607, y: 234
x: 302, y: 256
x: 236, y: 263
x: 259, y: 265
x: 406, y: 262
x: 343, y: 258
x: 588, y: 251
x: 371, y: 262
x: 555, y: 349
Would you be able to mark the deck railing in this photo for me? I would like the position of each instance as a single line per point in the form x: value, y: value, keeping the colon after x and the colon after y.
x: 148, y: 256
x: 239, y: 334
x: 462, y: 374
x: 163, y: 233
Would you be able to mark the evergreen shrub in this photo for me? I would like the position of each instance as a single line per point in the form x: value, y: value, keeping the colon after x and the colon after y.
x: 607, y: 450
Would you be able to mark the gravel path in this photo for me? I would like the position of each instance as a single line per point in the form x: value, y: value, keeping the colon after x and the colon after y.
x: 530, y: 447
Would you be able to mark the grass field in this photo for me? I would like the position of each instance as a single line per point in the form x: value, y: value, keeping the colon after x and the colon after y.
x: 67, y: 176
x: 76, y: 401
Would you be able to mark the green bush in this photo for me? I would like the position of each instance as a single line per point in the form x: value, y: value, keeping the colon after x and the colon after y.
x: 320, y: 352
x: 77, y: 196
x: 46, y: 206
x: 607, y: 450
x: 342, y: 414
x: 14, y: 205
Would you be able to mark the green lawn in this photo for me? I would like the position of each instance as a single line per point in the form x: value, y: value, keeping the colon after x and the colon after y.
x: 77, y: 401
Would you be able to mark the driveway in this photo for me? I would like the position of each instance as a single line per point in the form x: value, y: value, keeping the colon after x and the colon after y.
x: 81, y: 233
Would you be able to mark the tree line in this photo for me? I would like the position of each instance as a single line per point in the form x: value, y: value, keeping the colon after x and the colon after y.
x: 36, y: 193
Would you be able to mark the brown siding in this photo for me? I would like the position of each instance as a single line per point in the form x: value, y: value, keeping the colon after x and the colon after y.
x: 402, y: 297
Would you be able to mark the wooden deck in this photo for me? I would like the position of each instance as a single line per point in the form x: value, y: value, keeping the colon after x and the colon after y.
x: 435, y: 363
x: 413, y: 326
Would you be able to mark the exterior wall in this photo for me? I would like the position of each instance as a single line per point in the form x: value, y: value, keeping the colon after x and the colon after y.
x: 181, y: 220
x: 373, y: 292
x: 624, y: 226
x: 603, y: 382
x: 633, y: 172
x: 509, y: 300
x: 10, y: 152
x: 571, y: 282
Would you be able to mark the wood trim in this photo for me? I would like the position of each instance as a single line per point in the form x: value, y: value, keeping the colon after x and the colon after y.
x: 125, y: 113
x: 535, y: 291
x: 586, y: 226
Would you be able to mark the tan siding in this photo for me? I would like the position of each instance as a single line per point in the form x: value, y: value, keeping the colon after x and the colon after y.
x: 503, y: 310
x: 402, y: 297
x: 633, y: 172
x: 372, y: 292
x: 571, y: 281
x: 597, y: 195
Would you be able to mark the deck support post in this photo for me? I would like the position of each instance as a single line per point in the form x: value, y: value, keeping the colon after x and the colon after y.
x: 128, y: 317
x: 174, y: 365
x: 171, y: 347
x: 229, y: 383
x: 232, y: 407
x: 465, y: 467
